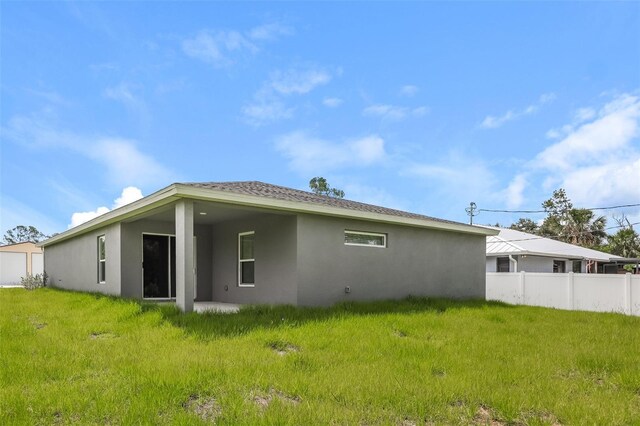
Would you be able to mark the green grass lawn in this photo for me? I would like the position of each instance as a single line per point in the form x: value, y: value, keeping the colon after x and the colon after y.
x: 80, y: 358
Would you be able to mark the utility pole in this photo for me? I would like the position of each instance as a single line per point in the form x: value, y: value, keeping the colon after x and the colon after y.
x: 471, y: 211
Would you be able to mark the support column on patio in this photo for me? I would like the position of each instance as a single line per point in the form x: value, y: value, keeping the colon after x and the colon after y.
x: 184, y: 255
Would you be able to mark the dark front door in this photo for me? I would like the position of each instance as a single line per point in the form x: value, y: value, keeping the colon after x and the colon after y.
x: 159, y: 266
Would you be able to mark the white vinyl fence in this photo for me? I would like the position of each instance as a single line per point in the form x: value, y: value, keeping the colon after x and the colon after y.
x: 584, y: 292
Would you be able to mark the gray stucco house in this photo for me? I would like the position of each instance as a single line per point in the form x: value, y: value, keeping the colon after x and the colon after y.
x: 517, y: 251
x: 252, y: 242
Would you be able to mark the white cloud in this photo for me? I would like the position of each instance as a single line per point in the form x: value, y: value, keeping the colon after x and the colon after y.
x: 372, y: 195
x: 514, y: 192
x: 600, y: 140
x: 332, y: 102
x: 409, y: 90
x: 420, y: 111
x: 79, y: 218
x: 269, y: 31
x: 123, y: 93
x: 128, y: 195
x: 122, y: 159
x: 298, y: 81
x: 393, y: 112
x: 308, y: 154
x: 596, y: 158
x: 493, y: 122
x: 455, y: 179
x: 216, y: 48
x: 612, y: 183
x: 268, y: 102
x: 262, y: 112
x: 584, y: 114
x: 388, y: 112
x: 14, y: 212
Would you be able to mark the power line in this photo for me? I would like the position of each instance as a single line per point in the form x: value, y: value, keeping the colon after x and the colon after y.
x: 544, y: 211
x: 555, y: 237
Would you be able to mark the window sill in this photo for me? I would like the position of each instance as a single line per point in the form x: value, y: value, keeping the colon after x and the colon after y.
x: 246, y: 285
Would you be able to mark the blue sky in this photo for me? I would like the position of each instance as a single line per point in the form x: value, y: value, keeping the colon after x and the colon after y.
x: 418, y: 106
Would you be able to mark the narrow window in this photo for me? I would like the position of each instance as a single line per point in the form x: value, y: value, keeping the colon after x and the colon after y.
x: 102, y: 260
x: 502, y: 264
x: 366, y: 239
x: 558, y: 266
x: 246, y: 260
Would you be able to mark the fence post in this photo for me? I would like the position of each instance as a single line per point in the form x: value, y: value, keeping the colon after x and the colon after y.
x: 522, y: 287
x: 627, y: 293
x: 570, y: 283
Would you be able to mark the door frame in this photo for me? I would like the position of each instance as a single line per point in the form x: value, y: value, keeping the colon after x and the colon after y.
x: 195, y: 266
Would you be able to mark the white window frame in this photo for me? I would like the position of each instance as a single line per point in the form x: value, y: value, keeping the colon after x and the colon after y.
x: 102, y: 279
x: 373, y: 234
x: 241, y: 260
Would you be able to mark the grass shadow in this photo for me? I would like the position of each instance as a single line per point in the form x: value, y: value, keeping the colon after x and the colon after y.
x: 211, y: 325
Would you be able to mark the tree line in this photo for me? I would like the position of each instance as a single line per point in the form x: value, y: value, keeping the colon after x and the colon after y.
x: 582, y: 227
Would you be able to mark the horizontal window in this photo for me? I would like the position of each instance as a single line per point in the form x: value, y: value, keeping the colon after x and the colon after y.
x: 366, y: 239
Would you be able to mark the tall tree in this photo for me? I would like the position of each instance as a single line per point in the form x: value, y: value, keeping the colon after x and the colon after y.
x: 525, y: 224
x: 320, y: 186
x: 583, y: 228
x: 22, y: 234
x: 626, y: 241
x: 575, y: 226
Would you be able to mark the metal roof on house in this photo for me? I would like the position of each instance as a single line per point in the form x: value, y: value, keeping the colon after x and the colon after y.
x: 289, y: 194
x: 510, y: 241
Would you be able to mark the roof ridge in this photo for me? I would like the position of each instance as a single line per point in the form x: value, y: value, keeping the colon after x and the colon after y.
x: 260, y: 188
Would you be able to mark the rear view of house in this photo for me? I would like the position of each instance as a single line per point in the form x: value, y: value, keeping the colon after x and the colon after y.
x: 251, y: 242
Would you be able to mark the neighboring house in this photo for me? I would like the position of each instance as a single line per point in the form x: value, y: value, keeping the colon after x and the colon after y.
x: 516, y: 251
x: 18, y: 260
x: 251, y: 242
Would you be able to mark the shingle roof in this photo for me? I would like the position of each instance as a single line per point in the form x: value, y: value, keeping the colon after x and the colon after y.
x: 288, y: 194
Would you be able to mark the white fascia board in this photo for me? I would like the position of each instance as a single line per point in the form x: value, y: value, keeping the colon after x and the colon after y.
x: 206, y: 194
x: 157, y: 199
x: 175, y: 191
x: 533, y: 253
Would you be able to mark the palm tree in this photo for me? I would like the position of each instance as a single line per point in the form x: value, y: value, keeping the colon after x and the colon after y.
x: 584, y: 229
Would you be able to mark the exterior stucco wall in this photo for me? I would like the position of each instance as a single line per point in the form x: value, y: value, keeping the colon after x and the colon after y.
x: 73, y: 264
x: 531, y: 263
x: 275, y: 260
x: 492, y: 264
x: 416, y: 261
x: 132, y: 252
x: 132, y: 255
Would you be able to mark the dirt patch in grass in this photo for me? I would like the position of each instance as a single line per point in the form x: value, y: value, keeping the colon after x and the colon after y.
x: 438, y: 372
x: 264, y: 400
x: 485, y: 416
x: 282, y: 348
x: 102, y: 335
x: 204, y: 407
x: 399, y: 333
x: 37, y: 324
x: 541, y: 416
